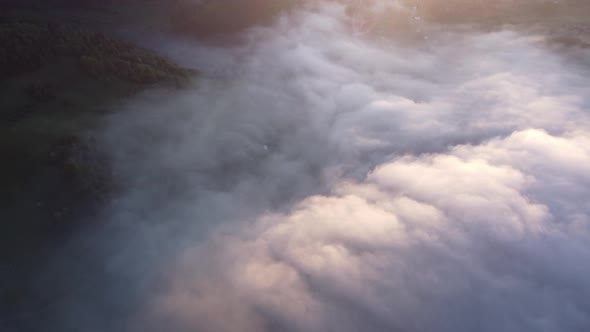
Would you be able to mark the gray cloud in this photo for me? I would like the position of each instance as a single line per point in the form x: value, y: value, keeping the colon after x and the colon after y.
x: 317, y: 180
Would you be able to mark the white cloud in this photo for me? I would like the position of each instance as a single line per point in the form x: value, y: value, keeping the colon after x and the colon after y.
x: 314, y: 180
x: 440, y: 242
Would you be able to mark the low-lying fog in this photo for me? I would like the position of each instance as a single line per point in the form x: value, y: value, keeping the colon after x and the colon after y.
x: 316, y: 178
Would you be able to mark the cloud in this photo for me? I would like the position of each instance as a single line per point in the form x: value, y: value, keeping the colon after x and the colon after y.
x: 445, y: 242
x: 318, y: 180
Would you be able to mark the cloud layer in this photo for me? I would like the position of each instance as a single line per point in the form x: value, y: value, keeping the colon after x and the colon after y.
x: 317, y: 180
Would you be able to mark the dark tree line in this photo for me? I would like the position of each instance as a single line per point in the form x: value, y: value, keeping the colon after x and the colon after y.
x: 29, y: 45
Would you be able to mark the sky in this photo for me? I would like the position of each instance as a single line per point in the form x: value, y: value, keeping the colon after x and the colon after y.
x: 314, y: 178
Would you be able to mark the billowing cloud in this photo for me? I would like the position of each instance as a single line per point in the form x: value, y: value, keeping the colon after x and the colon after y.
x: 477, y: 238
x: 318, y: 180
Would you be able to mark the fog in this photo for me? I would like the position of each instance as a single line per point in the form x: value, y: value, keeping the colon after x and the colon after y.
x: 314, y: 178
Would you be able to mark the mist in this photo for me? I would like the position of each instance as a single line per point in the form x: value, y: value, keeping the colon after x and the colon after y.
x: 314, y: 177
